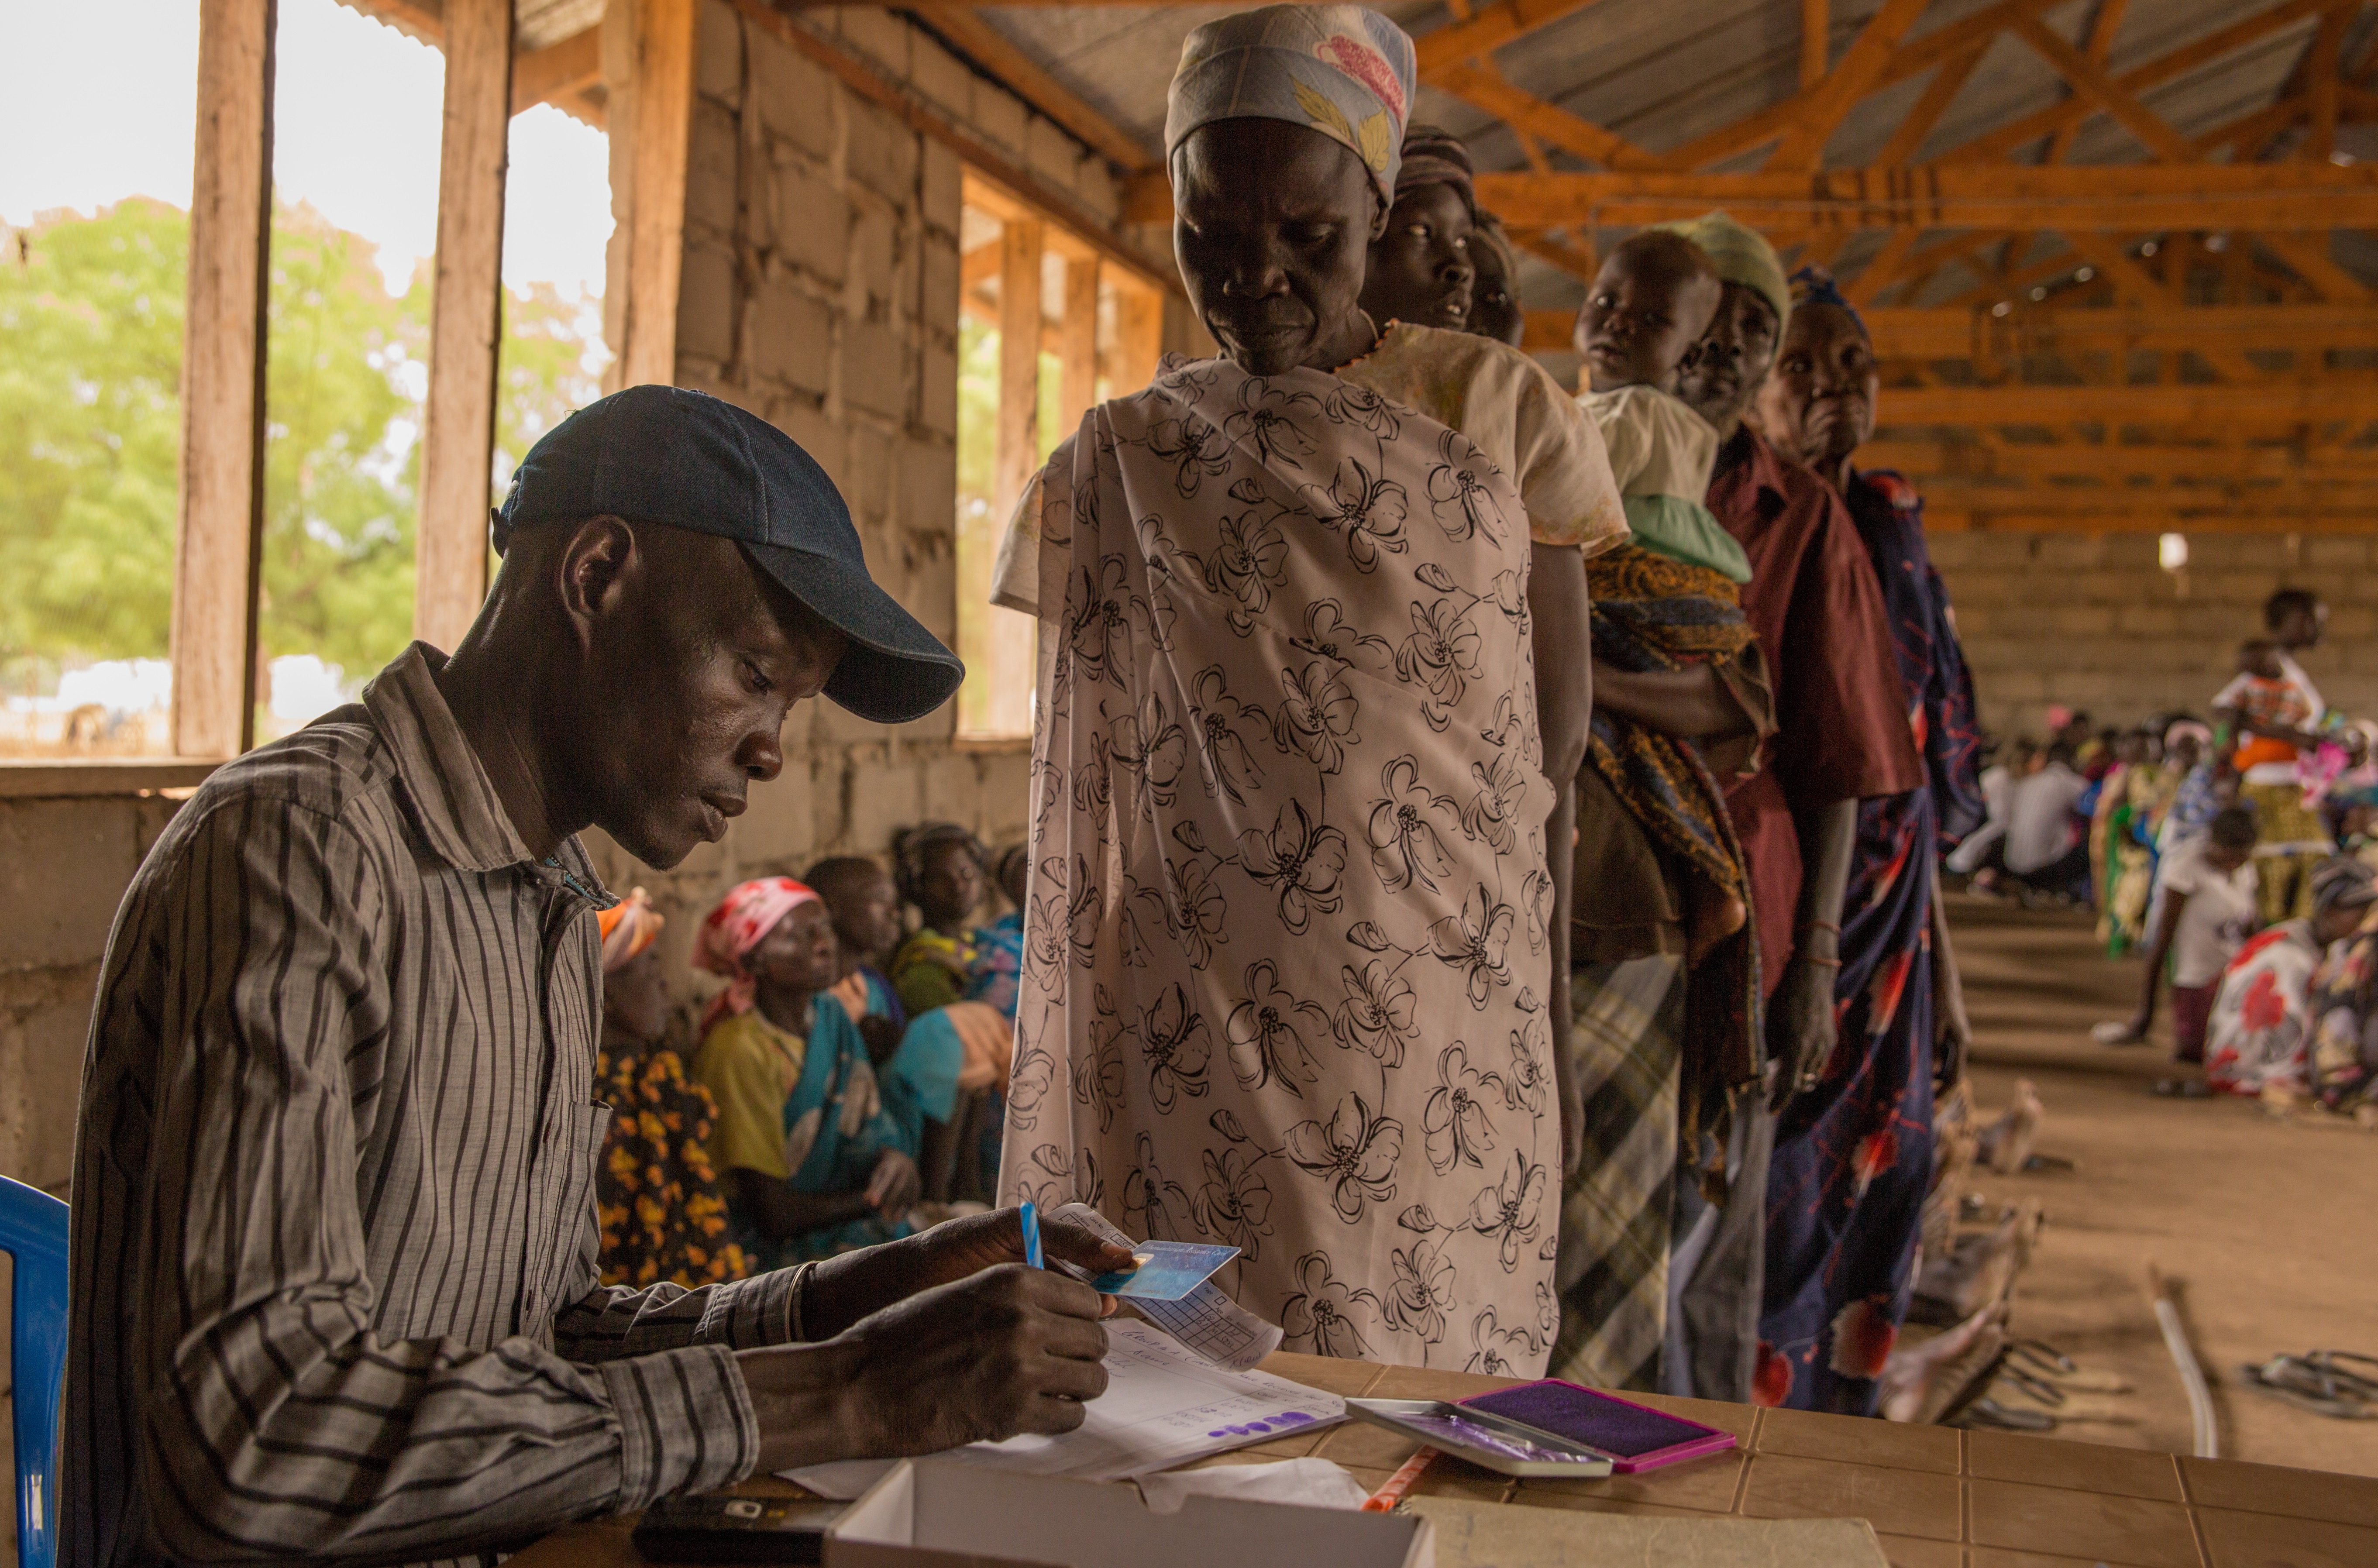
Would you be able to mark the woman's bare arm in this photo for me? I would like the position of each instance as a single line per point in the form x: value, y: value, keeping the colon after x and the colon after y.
x: 1560, y: 607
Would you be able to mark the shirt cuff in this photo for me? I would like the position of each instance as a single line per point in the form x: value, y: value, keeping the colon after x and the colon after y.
x: 750, y: 1313
x: 686, y: 1423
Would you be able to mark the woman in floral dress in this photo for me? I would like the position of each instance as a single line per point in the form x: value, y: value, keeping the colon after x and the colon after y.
x: 1289, y: 964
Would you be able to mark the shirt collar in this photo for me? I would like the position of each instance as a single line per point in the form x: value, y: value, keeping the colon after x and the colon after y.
x: 453, y: 801
x: 1757, y: 474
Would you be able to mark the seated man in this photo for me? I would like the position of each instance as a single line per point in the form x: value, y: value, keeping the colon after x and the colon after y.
x: 334, y: 1238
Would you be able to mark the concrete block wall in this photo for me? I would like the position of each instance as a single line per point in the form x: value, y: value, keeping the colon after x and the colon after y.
x: 2093, y: 622
x: 64, y: 866
x: 820, y: 290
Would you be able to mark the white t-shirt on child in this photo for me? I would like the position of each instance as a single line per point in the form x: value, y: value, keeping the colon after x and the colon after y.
x: 2219, y: 918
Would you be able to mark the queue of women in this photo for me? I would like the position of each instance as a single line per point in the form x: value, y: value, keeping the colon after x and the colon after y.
x: 1483, y: 836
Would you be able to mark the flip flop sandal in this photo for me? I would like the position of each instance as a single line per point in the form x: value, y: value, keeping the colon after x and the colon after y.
x: 2302, y: 1381
x: 2328, y: 1359
x: 2040, y: 1388
x: 2047, y: 1357
x: 1975, y: 1386
x: 1991, y: 1413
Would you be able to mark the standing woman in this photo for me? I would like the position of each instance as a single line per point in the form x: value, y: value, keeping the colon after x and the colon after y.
x: 1854, y: 1155
x: 1291, y: 927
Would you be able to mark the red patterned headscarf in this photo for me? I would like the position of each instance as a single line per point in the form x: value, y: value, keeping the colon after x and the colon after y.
x: 748, y: 912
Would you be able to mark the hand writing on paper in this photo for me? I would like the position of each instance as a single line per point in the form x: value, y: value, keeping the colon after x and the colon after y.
x: 1007, y: 1350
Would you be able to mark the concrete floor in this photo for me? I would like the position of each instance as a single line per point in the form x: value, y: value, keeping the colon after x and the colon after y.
x: 2265, y: 1228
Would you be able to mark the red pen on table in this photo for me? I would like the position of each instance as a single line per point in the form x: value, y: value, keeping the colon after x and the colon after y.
x: 1384, y: 1500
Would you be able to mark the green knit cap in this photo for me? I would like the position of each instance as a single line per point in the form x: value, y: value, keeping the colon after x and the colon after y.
x: 1740, y: 255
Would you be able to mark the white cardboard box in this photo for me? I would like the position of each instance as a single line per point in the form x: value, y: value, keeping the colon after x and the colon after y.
x: 936, y: 1513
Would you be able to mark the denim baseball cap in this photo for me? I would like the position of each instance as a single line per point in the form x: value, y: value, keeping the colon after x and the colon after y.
x: 668, y: 455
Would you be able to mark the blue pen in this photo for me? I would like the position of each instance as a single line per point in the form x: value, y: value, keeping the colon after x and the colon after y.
x: 1031, y: 1218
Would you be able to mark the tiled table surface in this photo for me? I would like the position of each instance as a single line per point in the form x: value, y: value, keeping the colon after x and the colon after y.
x: 1937, y: 1498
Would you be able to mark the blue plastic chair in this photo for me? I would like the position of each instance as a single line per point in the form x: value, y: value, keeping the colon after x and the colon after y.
x: 33, y: 1232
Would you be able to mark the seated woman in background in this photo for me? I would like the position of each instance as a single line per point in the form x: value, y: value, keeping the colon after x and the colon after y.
x: 655, y: 1191
x: 860, y: 895
x: 2342, y: 1018
x: 2261, y: 1028
x: 943, y: 972
x: 822, y: 1148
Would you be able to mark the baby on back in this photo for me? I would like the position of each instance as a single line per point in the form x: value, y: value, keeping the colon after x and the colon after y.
x: 1647, y: 307
x: 1670, y: 597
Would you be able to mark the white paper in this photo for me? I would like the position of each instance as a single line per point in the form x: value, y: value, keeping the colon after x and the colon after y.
x: 1163, y: 1406
x: 1307, y: 1483
x: 1206, y: 1320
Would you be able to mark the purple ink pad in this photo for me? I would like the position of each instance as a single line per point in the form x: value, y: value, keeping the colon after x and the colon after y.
x: 1635, y: 1436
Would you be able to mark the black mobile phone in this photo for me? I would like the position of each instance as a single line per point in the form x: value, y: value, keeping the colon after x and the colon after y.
x: 735, y: 1529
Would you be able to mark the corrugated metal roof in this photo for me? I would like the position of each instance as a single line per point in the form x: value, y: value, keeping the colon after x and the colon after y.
x: 1661, y: 74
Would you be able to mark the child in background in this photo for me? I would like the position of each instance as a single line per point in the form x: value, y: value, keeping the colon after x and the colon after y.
x: 2208, y: 913
x: 822, y: 1148
x: 941, y: 973
x: 656, y: 1194
x: 865, y: 905
x: 2264, y: 698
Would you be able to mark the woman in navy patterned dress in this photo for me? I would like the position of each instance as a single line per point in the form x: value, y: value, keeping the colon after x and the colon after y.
x: 1854, y: 1155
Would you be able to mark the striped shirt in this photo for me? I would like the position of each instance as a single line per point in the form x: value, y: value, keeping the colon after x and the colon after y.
x: 334, y: 1237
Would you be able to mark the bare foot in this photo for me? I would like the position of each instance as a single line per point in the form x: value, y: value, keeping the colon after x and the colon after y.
x: 1921, y: 1382
x: 2007, y: 1141
x: 1955, y: 1139
x: 1980, y: 1271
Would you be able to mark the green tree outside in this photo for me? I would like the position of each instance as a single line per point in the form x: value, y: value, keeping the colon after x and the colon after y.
x: 90, y: 350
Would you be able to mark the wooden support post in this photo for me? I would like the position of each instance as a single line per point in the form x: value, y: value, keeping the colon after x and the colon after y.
x: 458, y: 434
x: 219, y: 548
x: 648, y: 60
x: 1138, y: 336
x: 1018, y: 452
x: 1078, y: 338
x: 1815, y: 40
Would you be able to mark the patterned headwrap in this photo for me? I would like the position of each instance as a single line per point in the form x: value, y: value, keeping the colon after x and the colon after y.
x: 748, y: 912
x: 1815, y: 285
x: 2343, y: 882
x: 629, y: 928
x: 1741, y: 254
x: 1432, y: 157
x: 1345, y: 71
x: 2182, y: 729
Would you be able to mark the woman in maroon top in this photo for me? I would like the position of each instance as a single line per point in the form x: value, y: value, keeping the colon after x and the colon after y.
x: 1841, y: 715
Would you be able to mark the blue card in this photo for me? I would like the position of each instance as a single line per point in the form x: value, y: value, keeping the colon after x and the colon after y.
x: 1167, y: 1271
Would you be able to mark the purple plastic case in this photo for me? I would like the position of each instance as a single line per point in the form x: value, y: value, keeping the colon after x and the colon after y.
x: 1635, y: 1436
